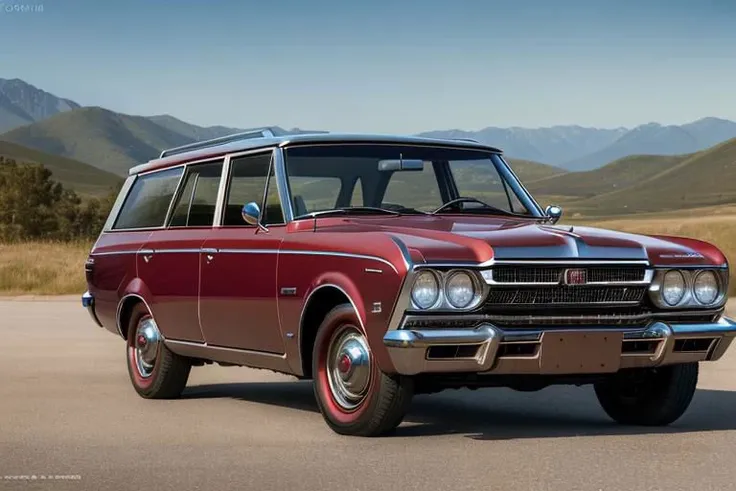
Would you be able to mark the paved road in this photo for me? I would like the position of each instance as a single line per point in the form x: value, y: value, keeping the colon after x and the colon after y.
x: 67, y: 409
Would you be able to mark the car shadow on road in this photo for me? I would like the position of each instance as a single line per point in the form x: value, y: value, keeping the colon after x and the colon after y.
x: 497, y: 414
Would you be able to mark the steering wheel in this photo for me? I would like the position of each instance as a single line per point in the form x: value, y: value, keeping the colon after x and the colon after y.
x: 458, y: 201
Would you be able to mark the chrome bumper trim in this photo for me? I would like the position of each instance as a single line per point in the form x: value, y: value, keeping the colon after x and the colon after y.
x: 88, y: 302
x: 408, y: 347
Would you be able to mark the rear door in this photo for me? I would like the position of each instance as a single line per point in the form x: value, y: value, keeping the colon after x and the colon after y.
x: 169, y: 262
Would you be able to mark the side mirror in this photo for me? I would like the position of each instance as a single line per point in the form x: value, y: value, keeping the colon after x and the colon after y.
x: 553, y: 213
x: 251, y: 214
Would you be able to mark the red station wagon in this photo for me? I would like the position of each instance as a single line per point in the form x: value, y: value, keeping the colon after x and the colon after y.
x: 383, y: 267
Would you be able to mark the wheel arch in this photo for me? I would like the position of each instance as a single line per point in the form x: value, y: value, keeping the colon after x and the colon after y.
x: 135, y: 293
x: 320, y: 301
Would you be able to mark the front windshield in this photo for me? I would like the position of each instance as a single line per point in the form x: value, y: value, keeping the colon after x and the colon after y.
x: 403, y: 178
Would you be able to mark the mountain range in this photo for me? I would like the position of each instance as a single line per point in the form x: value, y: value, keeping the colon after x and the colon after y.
x: 114, y: 142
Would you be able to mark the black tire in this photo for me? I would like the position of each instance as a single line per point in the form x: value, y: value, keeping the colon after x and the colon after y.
x: 651, y: 397
x: 170, y: 372
x: 386, y: 400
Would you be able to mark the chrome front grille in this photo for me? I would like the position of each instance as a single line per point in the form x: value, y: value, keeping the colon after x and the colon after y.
x: 554, y: 274
x: 570, y: 293
x: 613, y: 319
x: 563, y: 295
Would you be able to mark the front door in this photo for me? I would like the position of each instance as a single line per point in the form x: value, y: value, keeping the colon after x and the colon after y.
x: 237, y: 302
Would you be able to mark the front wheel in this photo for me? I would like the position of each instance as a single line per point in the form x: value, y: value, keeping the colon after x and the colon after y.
x: 354, y: 396
x: 651, y: 397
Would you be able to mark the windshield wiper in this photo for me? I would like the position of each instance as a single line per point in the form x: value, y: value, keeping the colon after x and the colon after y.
x: 485, y: 206
x: 350, y: 210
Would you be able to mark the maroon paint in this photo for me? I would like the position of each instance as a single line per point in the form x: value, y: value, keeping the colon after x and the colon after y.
x: 114, y: 268
x: 172, y: 279
x: 238, y: 306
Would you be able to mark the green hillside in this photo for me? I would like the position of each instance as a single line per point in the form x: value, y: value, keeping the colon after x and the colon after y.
x: 107, y: 140
x: 529, y: 171
x: 81, y: 177
x: 703, y: 179
x: 617, y: 175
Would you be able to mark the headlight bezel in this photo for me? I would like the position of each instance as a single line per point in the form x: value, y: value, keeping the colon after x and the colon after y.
x: 438, y: 286
x: 443, y: 304
x: 719, y: 288
x: 689, y: 299
x: 682, y: 278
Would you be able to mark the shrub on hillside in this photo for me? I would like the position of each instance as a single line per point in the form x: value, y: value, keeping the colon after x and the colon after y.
x: 35, y: 207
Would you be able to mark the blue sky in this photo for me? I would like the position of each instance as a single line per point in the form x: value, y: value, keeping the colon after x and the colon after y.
x: 383, y: 65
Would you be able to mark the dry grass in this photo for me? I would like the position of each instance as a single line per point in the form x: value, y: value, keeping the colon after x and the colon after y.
x: 43, y: 268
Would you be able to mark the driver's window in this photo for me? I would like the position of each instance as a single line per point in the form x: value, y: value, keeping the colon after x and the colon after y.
x: 248, y: 178
x: 416, y: 189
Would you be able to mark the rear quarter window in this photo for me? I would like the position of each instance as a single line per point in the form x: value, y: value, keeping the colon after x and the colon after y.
x: 149, y: 199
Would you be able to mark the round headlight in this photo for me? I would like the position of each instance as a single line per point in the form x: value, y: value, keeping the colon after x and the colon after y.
x: 460, y: 290
x: 705, y: 287
x: 673, y: 287
x: 426, y: 290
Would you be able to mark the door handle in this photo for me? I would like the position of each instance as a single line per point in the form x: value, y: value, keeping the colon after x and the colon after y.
x: 147, y: 255
x: 209, y: 255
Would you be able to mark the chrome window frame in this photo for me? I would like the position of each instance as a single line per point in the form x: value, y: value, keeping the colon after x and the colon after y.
x: 224, y: 190
x: 180, y: 190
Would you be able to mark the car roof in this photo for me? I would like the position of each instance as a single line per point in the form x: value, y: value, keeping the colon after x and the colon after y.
x: 272, y: 137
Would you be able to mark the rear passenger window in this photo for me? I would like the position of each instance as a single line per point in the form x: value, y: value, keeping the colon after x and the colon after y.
x: 149, y: 200
x: 195, y: 206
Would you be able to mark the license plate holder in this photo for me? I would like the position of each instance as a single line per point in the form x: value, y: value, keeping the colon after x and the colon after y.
x: 580, y: 352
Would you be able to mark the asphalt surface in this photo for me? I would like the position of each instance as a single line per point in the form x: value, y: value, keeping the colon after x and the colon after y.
x: 69, y: 416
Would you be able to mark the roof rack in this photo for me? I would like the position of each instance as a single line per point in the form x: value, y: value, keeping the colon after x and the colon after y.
x: 263, y: 132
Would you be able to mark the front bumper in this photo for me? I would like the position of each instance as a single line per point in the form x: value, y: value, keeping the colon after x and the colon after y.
x: 600, y: 349
x: 88, y: 302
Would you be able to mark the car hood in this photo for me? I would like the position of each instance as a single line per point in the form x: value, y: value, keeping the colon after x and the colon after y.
x: 480, y: 239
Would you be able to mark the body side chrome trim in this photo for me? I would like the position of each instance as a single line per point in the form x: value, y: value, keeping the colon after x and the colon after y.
x: 113, y: 253
x: 230, y: 356
x: 252, y: 251
x: 308, y: 253
x: 225, y: 348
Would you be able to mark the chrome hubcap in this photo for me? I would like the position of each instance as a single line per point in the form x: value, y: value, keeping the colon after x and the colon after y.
x: 349, y: 368
x: 147, y: 338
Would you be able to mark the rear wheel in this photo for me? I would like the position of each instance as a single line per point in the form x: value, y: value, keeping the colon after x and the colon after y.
x: 354, y: 396
x: 651, y: 397
x: 155, y: 371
